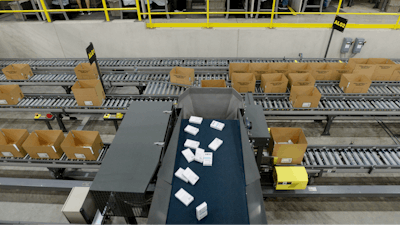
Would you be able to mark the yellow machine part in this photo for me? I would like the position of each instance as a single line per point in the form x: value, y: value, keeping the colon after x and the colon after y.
x: 290, y: 177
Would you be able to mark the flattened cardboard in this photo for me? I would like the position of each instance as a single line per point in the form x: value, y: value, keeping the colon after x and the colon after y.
x: 320, y: 71
x: 10, y: 94
x: 238, y: 68
x: 17, y: 72
x: 279, y: 68
x: 395, y: 76
x: 243, y: 82
x: 80, y: 142
x: 213, y: 83
x: 44, y: 142
x: 338, y: 69
x: 301, y: 79
x: 85, y: 71
x: 259, y: 68
x: 299, y: 68
x: 274, y: 83
x: 361, y: 66
x: 88, y: 92
x: 11, y: 141
x: 182, y: 75
x: 354, y: 83
x: 293, y: 151
x: 304, y: 97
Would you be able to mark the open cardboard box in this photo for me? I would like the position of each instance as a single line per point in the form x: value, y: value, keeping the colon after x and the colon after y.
x: 85, y: 71
x: 11, y: 142
x: 17, y: 72
x: 287, y: 153
x: 259, y: 68
x: 299, y: 68
x: 304, y: 97
x: 10, y: 94
x: 320, y: 71
x: 384, y: 68
x: 279, y: 68
x: 84, y: 145
x: 182, y: 75
x: 395, y: 76
x: 238, y: 68
x: 44, y: 144
x: 243, y: 82
x: 88, y: 92
x: 213, y: 83
x: 361, y: 66
x: 354, y: 83
x: 274, y: 83
x: 301, y: 79
x: 338, y: 69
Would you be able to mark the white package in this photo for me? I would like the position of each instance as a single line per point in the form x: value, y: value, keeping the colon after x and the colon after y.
x: 191, y: 130
x: 179, y: 174
x: 217, y: 125
x: 191, y: 144
x: 207, y: 160
x: 214, y: 145
x: 198, y: 157
x: 184, y: 197
x: 191, y: 176
x: 201, y: 211
x: 195, y: 119
x: 188, y: 155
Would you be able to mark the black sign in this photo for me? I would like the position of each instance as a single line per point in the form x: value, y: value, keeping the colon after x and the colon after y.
x: 91, y: 53
x: 339, y: 23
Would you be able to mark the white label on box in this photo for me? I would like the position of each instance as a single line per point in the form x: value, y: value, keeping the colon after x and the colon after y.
x: 199, y: 156
x: 286, y: 160
x: 188, y: 155
x: 3, y: 102
x: 191, y: 144
x: 16, y: 147
x: 191, y: 176
x: 80, y: 156
x: 217, y: 125
x: 348, y: 84
x: 306, y: 104
x: 88, y: 102
x: 214, y: 145
x: 195, y: 119
x: 43, y: 155
x: 7, y: 154
x: 184, y: 197
x: 91, y: 149
x: 312, y: 188
x: 208, y: 158
x: 54, y: 148
x: 201, y: 211
x: 191, y: 130
x: 179, y: 174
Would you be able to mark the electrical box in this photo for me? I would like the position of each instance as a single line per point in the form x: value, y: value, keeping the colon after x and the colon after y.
x: 346, y: 45
x: 79, y: 207
x: 358, y: 44
x: 290, y: 177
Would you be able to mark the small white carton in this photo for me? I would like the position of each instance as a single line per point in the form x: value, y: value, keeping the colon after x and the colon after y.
x: 208, y: 158
x: 198, y: 157
x: 188, y: 155
x: 195, y: 119
x: 191, y: 144
x: 179, y: 174
x: 201, y: 211
x: 191, y: 176
x: 217, y: 125
x: 214, y: 145
x: 184, y: 197
x: 191, y: 130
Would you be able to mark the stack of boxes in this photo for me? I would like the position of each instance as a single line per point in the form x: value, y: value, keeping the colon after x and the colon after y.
x: 88, y: 90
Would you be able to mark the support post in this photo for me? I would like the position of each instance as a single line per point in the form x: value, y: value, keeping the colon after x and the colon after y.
x: 67, y: 89
x: 60, y: 122
x: 57, y: 173
x: 116, y: 124
x: 328, y: 125
x: 329, y: 43
x: 141, y: 89
x: 130, y: 220
x: 48, y: 125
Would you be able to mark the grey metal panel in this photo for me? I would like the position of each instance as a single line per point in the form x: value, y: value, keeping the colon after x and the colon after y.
x: 255, y: 203
x: 259, y: 131
x: 133, y: 157
x: 42, y: 184
x: 160, y: 204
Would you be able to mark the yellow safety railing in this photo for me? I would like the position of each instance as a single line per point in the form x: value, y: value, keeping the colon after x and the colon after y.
x: 209, y: 24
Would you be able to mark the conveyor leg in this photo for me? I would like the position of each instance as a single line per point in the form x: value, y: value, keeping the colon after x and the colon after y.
x: 57, y: 173
x: 60, y: 122
x: 67, y: 89
x: 116, y: 124
x: 328, y: 126
x: 48, y: 125
x: 141, y: 89
x: 130, y: 220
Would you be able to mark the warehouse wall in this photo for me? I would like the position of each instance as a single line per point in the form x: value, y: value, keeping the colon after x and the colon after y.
x: 126, y: 38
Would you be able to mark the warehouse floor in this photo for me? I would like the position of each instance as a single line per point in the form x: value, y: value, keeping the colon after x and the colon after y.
x: 45, y: 206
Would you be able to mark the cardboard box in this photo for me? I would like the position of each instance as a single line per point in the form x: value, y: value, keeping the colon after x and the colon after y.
x: 338, y: 69
x: 84, y: 145
x: 11, y: 142
x: 243, y: 82
x: 88, y: 92
x: 238, y: 68
x: 320, y: 71
x: 395, y: 76
x: 354, y: 83
x: 182, y: 75
x: 384, y: 68
x: 301, y: 79
x: 299, y: 68
x: 10, y: 94
x: 274, y: 83
x: 304, y: 96
x: 213, y: 83
x: 44, y: 144
x: 279, y: 68
x: 17, y: 72
x: 288, y: 153
x: 361, y: 66
x: 259, y: 68
x: 85, y: 71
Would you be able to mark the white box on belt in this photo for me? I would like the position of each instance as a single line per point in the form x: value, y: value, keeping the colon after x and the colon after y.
x: 184, y: 197
x: 191, y: 130
x: 195, y: 119
x: 188, y: 155
x: 214, y: 145
x: 199, y: 156
x: 217, y: 125
x: 191, y: 144
x: 191, y: 176
x: 208, y: 158
x: 179, y: 174
x: 201, y: 211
